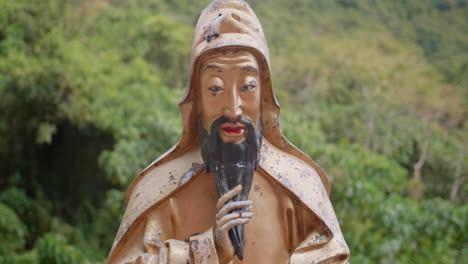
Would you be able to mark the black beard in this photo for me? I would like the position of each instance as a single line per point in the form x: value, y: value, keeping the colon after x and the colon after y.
x: 232, y: 164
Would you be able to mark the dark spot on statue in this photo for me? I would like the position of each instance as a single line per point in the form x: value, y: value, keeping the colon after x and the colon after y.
x: 196, y: 167
x: 256, y: 188
x: 194, y: 234
x: 211, y: 36
x: 156, y: 164
x: 194, y: 244
x: 261, y: 193
x: 220, y: 14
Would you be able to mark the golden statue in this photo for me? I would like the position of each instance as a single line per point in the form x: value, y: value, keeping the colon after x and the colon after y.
x: 233, y: 189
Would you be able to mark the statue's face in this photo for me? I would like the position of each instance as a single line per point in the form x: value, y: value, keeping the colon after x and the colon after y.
x: 230, y: 87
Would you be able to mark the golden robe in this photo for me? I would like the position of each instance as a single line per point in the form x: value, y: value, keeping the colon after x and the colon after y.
x: 293, y: 221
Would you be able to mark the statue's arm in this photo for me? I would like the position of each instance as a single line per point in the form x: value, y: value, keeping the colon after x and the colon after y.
x: 332, y: 251
x: 152, y: 242
x: 151, y: 246
x: 311, y: 242
x: 198, y: 249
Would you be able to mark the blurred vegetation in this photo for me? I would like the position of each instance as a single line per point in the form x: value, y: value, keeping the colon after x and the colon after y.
x: 375, y: 91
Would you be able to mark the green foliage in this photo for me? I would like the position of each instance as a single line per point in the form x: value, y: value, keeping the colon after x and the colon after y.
x: 169, y: 48
x: 13, y: 231
x: 388, y: 227
x: 107, y: 218
x: 88, y: 97
x: 430, y: 232
x: 28, y: 257
x: 53, y: 249
x: 34, y: 216
x: 102, y: 222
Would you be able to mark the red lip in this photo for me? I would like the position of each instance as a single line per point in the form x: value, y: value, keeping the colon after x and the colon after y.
x: 236, y: 130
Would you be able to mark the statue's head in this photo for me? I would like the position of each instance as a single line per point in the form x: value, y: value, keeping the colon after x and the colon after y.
x: 230, y: 74
x: 230, y: 84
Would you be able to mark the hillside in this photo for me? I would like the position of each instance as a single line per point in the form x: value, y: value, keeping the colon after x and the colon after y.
x: 375, y: 91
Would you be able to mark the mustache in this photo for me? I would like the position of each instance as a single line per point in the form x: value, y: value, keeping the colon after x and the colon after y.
x: 247, y: 122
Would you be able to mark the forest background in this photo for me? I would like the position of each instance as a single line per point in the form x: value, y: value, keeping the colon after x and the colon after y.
x: 375, y: 91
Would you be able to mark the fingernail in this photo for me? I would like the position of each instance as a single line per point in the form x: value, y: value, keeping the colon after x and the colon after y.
x: 246, y: 214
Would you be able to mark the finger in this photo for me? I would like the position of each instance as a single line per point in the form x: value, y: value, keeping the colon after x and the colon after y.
x: 246, y: 214
x: 231, y: 216
x: 231, y: 206
x: 228, y: 196
x: 240, y: 221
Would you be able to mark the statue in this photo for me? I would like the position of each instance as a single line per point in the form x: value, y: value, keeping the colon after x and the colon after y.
x: 233, y: 189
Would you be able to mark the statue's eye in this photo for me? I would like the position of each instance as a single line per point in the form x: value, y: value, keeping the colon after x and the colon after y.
x: 248, y: 88
x: 215, y: 89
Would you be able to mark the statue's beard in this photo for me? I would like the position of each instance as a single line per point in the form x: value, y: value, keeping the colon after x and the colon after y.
x: 232, y: 164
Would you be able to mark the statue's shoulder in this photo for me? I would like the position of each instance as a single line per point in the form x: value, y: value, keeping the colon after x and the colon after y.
x: 157, y: 182
x: 300, y: 178
x: 165, y: 175
x: 287, y: 167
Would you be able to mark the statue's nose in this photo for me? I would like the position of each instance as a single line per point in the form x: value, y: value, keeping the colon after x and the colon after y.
x: 233, y: 108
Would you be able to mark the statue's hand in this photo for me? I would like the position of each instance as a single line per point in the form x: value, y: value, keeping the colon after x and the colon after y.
x: 225, y: 221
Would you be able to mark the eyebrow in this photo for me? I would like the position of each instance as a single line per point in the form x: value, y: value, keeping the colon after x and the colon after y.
x: 249, y: 68
x: 212, y: 66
